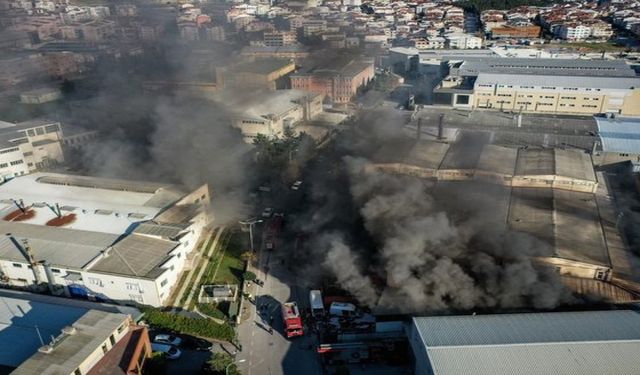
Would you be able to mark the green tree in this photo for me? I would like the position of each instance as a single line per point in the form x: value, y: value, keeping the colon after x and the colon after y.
x: 249, y: 256
x: 219, y: 362
x: 249, y: 276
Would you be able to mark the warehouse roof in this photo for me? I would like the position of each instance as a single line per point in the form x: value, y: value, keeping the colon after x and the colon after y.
x: 572, y: 67
x: 498, y: 159
x: 589, y: 342
x: 92, y: 330
x: 619, y: 134
x: 264, y: 66
x: 136, y: 255
x: 58, y: 246
x: 99, y: 204
x: 263, y: 104
x: 533, y: 80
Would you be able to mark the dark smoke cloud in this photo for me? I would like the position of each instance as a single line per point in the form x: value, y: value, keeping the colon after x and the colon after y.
x: 436, y: 247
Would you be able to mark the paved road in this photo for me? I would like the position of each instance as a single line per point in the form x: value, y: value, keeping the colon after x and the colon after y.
x: 273, y: 354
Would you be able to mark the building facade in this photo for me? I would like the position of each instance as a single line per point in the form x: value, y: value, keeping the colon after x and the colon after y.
x: 338, y: 85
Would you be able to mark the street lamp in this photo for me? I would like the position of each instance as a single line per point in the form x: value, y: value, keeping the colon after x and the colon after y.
x: 226, y: 369
x: 251, y: 223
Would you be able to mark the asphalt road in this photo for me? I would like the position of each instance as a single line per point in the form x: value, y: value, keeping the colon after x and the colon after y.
x: 267, y: 353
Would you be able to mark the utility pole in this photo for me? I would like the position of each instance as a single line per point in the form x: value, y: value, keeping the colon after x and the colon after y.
x: 251, y: 223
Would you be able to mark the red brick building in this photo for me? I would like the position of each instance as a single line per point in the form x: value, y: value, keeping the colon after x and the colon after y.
x: 525, y: 32
x: 338, y: 83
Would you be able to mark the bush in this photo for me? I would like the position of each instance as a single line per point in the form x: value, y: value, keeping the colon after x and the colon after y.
x: 249, y: 276
x: 218, y: 363
x: 183, y: 324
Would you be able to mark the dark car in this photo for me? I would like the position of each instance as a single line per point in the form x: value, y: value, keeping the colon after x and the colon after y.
x: 198, y: 344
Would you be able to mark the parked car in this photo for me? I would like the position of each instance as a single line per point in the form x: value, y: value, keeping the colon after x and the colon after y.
x: 170, y: 351
x: 296, y: 185
x: 267, y: 212
x: 168, y: 339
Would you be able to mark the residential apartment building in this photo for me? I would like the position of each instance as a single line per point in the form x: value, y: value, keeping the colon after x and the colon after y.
x: 279, y: 38
x: 99, y: 239
x: 463, y: 41
x: 339, y: 82
x: 573, y: 31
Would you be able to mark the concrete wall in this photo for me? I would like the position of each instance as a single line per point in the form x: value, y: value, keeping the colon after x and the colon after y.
x: 566, y: 267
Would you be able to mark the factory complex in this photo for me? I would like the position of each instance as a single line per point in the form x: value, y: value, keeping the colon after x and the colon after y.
x: 551, y: 194
x: 98, y: 238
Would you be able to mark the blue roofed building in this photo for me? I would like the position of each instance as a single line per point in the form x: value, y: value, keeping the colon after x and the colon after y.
x: 586, y: 342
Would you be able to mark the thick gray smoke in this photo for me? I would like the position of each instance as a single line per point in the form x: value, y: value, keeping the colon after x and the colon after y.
x: 438, y: 260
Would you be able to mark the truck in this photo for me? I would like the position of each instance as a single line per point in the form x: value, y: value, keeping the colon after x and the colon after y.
x: 315, y: 301
x: 274, y: 226
x: 292, y: 320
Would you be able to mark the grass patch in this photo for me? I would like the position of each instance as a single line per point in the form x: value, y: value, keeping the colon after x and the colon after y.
x: 215, y: 310
x: 203, y: 251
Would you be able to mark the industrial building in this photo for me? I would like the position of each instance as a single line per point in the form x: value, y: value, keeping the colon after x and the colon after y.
x: 587, y: 342
x: 547, y: 193
x: 338, y: 82
x: 619, y: 141
x: 271, y: 113
x: 97, y: 238
x: 543, y: 86
x: 47, y: 335
x: 269, y: 74
x: 28, y: 146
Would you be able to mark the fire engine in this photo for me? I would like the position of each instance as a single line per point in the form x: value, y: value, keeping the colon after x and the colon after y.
x: 292, y: 319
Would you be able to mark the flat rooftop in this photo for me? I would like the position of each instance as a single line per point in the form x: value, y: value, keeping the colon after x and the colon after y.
x: 589, y: 342
x: 539, y: 80
x: 99, y: 204
x: 92, y: 329
x: 262, y: 66
x: 18, y: 321
x: 561, y: 67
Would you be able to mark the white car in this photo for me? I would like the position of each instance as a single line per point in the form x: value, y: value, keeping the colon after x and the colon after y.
x: 168, y: 339
x: 170, y: 351
x: 267, y: 212
x: 296, y: 185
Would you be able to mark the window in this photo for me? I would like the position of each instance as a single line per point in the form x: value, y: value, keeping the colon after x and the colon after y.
x: 112, y: 340
x: 104, y: 348
x: 8, y: 150
x: 51, y: 128
x: 186, y: 243
x: 55, y: 270
x: 95, y: 281
x: 4, y: 165
x: 121, y: 328
x: 163, y: 282
x: 133, y: 286
x: 31, y: 133
x: 17, y: 265
x: 16, y: 162
x: 136, y: 298
x: 28, y: 153
x: 39, y: 131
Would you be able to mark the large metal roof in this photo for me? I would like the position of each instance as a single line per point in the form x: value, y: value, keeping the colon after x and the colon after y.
x: 591, y: 68
x: 620, y: 134
x: 538, y: 80
x: 588, y: 342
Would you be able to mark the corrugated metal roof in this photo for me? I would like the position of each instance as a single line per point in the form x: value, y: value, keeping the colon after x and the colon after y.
x: 567, y: 67
x: 507, y: 329
x: 587, y: 342
x: 620, y: 134
x: 566, y: 359
x: 537, y: 80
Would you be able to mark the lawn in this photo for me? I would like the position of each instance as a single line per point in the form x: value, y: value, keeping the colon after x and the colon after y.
x: 587, y: 46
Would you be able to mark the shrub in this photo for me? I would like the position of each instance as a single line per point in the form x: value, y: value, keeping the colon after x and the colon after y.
x: 249, y: 276
x: 184, y: 324
x: 213, y: 310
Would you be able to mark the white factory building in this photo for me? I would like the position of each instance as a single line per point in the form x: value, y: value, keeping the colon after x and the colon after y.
x: 97, y: 238
x: 586, y: 342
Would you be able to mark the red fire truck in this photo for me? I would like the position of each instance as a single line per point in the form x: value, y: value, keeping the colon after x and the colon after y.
x: 274, y: 226
x: 292, y: 319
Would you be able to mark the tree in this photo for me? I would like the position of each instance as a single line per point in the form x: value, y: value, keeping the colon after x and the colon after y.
x: 219, y: 362
x: 249, y: 256
x: 249, y: 276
